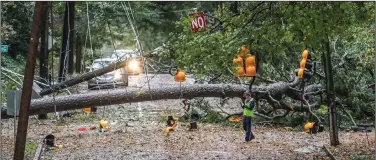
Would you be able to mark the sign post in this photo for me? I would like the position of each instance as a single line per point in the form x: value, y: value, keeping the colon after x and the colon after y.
x: 4, y: 48
x: 198, y: 21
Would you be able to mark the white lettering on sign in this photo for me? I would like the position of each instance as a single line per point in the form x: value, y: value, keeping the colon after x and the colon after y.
x: 199, y: 21
x: 194, y: 23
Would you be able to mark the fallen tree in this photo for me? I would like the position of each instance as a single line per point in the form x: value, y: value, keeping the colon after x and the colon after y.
x: 102, y: 98
x: 82, y: 78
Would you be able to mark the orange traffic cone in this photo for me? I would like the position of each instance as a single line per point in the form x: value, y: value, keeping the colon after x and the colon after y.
x: 87, y: 110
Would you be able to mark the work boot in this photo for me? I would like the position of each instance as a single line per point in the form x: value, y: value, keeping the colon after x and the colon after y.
x: 252, y: 136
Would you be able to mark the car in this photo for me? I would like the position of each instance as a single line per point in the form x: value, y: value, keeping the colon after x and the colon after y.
x: 133, y: 60
x: 115, y: 78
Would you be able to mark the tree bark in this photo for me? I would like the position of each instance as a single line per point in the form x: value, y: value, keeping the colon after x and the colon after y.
x: 78, y: 54
x: 101, y: 98
x: 67, y: 41
x: 330, y: 95
x: 64, y: 48
x: 43, y: 56
x: 83, y: 78
x: 28, y: 81
x: 71, y: 37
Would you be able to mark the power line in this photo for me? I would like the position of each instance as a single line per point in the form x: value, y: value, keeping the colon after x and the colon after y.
x: 139, y: 44
x: 148, y: 13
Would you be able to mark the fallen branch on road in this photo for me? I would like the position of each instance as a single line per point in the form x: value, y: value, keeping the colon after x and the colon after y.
x: 82, y: 78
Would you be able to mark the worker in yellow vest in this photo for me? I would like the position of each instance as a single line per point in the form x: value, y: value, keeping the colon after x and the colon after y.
x: 248, y: 115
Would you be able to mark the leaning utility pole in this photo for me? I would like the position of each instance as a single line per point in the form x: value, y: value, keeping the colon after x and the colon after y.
x: 333, y: 129
x: 43, y: 53
x: 19, y: 151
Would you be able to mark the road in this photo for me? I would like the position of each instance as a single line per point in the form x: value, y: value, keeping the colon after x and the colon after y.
x: 136, y: 132
x: 156, y: 80
x: 140, y: 81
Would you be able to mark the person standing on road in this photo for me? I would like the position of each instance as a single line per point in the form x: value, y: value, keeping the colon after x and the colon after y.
x: 248, y: 115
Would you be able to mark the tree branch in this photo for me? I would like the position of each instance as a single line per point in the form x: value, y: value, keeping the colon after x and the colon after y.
x: 254, y: 15
x: 309, y: 107
x: 342, y: 60
x: 347, y: 113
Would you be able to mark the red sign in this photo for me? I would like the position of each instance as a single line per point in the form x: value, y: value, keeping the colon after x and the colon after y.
x: 198, y: 22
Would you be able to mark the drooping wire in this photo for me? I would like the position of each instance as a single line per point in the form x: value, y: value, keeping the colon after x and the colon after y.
x: 88, y: 29
x: 91, y: 44
x: 134, y: 21
x: 139, y: 45
x: 67, y: 47
x: 113, y: 44
x: 85, y: 52
x: 52, y: 65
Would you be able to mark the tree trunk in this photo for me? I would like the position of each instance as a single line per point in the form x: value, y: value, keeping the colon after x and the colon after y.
x: 43, y: 55
x: 330, y: 96
x: 101, y: 98
x: 83, y: 78
x: 78, y: 54
x: 64, y: 48
x: 71, y: 37
x: 65, y: 45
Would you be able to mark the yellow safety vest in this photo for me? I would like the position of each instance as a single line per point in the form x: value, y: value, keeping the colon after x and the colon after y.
x: 248, y: 112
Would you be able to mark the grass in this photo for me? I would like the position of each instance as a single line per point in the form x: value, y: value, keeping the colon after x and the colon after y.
x: 163, y: 116
x: 213, y: 117
x: 360, y: 157
x: 30, y: 148
x: 84, y: 118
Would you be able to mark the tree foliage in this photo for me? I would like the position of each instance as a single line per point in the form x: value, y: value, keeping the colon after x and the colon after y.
x: 276, y: 31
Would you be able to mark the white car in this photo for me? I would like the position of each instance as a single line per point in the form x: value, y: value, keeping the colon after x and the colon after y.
x: 115, y: 78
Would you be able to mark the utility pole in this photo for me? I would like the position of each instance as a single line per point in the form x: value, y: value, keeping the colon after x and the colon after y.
x: 43, y: 55
x: 65, y: 45
x: 19, y: 151
x: 333, y: 129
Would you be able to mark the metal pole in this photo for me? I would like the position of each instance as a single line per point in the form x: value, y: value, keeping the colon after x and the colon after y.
x: 15, y: 115
x: 1, y: 91
x: 23, y: 121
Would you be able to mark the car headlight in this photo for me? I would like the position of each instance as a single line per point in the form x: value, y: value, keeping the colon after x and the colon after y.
x: 118, y: 75
x: 133, y: 65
